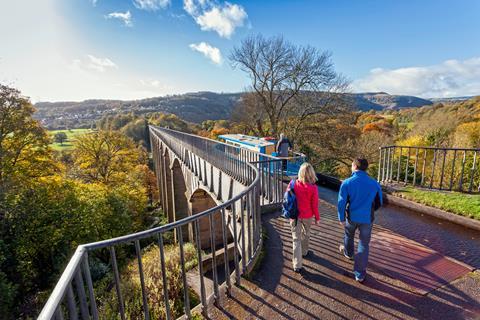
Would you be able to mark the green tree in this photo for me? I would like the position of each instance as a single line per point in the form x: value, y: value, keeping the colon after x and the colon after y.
x: 60, y: 137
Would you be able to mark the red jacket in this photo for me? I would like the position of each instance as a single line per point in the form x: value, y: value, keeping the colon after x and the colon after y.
x: 307, y: 200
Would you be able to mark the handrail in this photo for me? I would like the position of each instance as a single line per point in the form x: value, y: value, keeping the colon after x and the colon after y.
x: 58, y: 292
x: 429, y: 147
x: 244, y: 206
x: 172, y: 225
x: 437, y: 168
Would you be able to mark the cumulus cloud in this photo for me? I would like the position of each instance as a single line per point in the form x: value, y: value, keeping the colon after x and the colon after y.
x: 221, y: 18
x: 94, y: 63
x: 125, y: 17
x: 151, y: 5
x: 448, y: 79
x: 208, y: 51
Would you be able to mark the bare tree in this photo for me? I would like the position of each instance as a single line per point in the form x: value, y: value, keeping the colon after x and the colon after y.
x: 288, y: 79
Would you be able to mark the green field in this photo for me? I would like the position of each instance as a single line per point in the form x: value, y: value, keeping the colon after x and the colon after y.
x: 71, y: 134
x: 456, y: 202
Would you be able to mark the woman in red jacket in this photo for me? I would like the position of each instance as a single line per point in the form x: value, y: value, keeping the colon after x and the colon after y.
x: 306, y: 193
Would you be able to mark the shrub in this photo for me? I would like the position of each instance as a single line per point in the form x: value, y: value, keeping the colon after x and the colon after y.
x: 131, y: 287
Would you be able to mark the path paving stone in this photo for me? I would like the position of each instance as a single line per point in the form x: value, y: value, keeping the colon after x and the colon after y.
x: 326, y: 289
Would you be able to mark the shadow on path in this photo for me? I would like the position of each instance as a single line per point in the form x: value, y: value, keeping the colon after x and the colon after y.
x: 326, y: 289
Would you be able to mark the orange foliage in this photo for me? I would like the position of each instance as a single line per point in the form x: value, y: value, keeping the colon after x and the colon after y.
x: 217, y: 132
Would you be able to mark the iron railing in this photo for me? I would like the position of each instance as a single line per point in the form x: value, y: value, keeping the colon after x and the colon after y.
x: 74, y: 296
x: 430, y: 167
x: 228, y: 158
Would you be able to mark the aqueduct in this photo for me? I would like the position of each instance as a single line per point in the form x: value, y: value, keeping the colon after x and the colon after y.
x: 213, y: 195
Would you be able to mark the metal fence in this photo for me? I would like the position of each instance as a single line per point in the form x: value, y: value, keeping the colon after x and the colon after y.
x: 434, y: 168
x: 74, y: 295
x: 229, y: 159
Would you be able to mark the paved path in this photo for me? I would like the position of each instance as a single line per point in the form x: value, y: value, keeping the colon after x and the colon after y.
x: 448, y: 238
x: 326, y: 289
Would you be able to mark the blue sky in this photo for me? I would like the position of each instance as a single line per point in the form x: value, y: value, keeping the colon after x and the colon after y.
x: 128, y: 49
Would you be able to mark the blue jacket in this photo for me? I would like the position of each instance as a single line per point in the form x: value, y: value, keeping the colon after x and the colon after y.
x: 359, y: 197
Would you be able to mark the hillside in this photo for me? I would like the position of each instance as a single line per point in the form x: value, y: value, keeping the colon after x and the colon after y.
x: 455, y: 112
x: 384, y: 101
x: 193, y: 107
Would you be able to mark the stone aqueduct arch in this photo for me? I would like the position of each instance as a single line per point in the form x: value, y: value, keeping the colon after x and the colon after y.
x: 189, y: 186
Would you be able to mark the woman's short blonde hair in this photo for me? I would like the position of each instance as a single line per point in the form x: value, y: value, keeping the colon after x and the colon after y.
x: 306, y: 174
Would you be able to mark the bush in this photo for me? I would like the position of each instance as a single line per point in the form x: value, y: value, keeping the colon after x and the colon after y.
x: 57, y: 215
x: 131, y: 287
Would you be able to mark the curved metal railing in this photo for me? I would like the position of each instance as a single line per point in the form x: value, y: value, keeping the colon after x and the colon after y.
x: 430, y: 167
x: 74, y: 293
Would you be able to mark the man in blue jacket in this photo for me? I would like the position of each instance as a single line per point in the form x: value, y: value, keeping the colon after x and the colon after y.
x: 359, y: 197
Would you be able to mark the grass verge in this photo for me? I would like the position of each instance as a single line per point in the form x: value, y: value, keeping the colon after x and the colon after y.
x: 71, y: 134
x: 467, y: 205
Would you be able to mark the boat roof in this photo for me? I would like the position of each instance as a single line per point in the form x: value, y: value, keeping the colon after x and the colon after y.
x: 247, y: 140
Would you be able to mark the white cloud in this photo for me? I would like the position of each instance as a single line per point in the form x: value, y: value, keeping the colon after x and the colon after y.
x: 447, y: 79
x: 208, y: 51
x: 93, y: 63
x: 94, y: 2
x: 125, y: 17
x: 155, y: 84
x: 151, y: 5
x: 210, y: 16
x: 190, y: 6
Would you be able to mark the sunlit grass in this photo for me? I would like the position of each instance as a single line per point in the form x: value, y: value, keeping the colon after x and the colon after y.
x: 456, y: 202
x: 71, y: 134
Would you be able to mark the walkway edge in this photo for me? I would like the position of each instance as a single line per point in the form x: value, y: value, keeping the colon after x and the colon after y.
x: 435, y: 212
x: 334, y: 183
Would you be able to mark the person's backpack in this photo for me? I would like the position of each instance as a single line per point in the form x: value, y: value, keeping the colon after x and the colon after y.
x: 289, y: 205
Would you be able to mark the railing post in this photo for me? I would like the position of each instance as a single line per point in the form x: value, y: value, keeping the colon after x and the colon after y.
x: 460, y: 186
x: 164, y: 277
x: 443, y: 168
x: 389, y: 152
x: 200, y: 269
x: 186, y: 293
x: 453, y: 169
x: 214, y: 258
x: 142, y: 280
x: 379, y: 164
x: 414, y: 182
x: 433, y: 167
x: 93, y: 303
x: 470, y: 187
x: 423, y: 166
x: 117, y: 283
x: 225, y: 245
x: 399, y: 165
x: 406, y: 166
x: 393, y: 149
x: 235, y: 243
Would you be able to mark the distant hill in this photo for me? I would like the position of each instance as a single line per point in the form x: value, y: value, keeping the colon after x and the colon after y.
x: 452, y: 99
x: 384, y: 101
x: 194, y: 107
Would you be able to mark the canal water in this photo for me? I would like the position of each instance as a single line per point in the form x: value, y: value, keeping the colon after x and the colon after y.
x: 447, y: 238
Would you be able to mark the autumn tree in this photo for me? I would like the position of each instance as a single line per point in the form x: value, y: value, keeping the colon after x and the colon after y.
x: 24, y: 151
x: 24, y: 158
x: 287, y: 80
x: 106, y: 156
